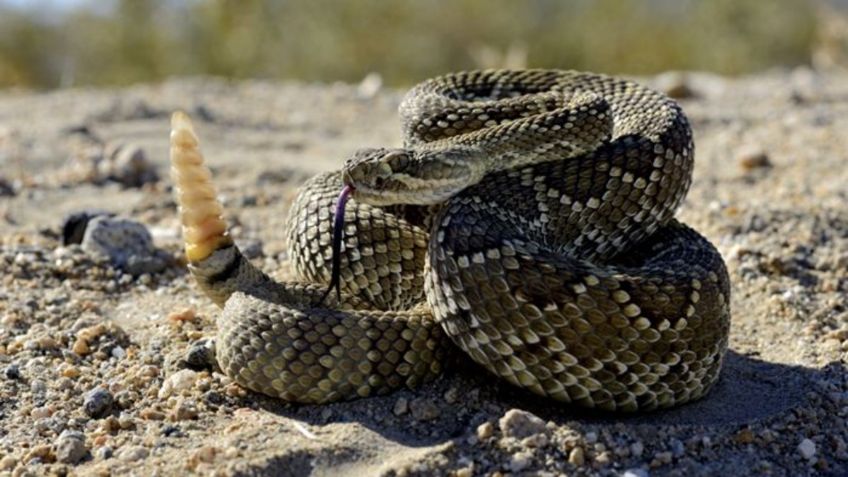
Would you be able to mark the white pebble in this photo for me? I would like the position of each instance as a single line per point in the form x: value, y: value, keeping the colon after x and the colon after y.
x: 637, y: 448
x: 520, y: 424
x: 807, y: 448
x: 177, y: 382
x: 119, y: 352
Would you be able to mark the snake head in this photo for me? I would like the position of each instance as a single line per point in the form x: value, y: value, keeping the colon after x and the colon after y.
x: 384, y: 176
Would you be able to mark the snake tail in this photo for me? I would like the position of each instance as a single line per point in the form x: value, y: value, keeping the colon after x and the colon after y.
x: 214, y: 260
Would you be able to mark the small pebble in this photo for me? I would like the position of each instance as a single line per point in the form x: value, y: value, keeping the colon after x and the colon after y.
x: 178, y: 382
x: 43, y: 452
x: 401, y: 407
x: 132, y: 453
x: 98, y: 402
x: 661, y: 458
x: 172, y: 431
x: 752, y: 158
x: 104, y: 453
x: 485, y: 431
x: 451, y: 395
x: 464, y: 472
x: 74, y: 225
x: 8, y: 463
x: 520, y: 424
x: 637, y: 448
x: 184, y: 410
x: 40, y: 412
x: 636, y: 473
x: 520, y: 461
x: 201, y: 355
x: 70, y: 447
x: 677, y: 448
x: 576, y: 457
x: 423, y: 409
x: 206, y: 454
x: 13, y: 371
x: 807, y: 448
x: 118, y: 352
x: 81, y: 347
x: 150, y: 414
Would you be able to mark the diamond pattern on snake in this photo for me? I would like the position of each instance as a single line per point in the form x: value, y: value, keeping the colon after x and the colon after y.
x: 527, y: 220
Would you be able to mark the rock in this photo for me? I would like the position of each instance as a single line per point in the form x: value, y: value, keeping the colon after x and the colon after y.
x: 675, y: 84
x: 807, y: 448
x: 520, y: 461
x: 43, y: 452
x: 13, y: 372
x: 423, y: 409
x: 370, y: 85
x: 577, y: 457
x: 636, y: 473
x: 536, y: 440
x: 104, y: 453
x: 70, y: 447
x: 6, y: 189
x: 637, y: 448
x: 401, y: 407
x: 185, y: 409
x: 662, y: 458
x: 172, y: 431
x: 118, y: 352
x: 206, y: 454
x: 251, y: 248
x: 751, y: 158
x: 452, y: 395
x: 133, y: 453
x: 520, y: 424
x: 677, y: 448
x: 74, y: 225
x: 126, y: 243
x: 81, y: 347
x: 485, y: 431
x: 40, y: 412
x: 151, y: 414
x: 8, y: 463
x: 201, y: 355
x: 464, y: 471
x: 178, y: 382
x: 98, y: 403
x: 128, y: 165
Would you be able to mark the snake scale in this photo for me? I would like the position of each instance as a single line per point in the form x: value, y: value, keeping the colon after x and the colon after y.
x: 528, y: 219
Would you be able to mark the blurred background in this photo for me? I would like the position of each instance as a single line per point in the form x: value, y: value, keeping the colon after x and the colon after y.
x: 48, y: 44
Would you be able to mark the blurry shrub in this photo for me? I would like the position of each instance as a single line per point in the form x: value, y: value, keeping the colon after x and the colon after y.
x: 144, y: 40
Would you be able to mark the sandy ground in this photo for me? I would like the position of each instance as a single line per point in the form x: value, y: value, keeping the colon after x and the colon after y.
x: 97, y: 374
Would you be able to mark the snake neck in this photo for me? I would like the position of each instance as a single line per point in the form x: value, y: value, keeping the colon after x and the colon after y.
x: 214, y: 261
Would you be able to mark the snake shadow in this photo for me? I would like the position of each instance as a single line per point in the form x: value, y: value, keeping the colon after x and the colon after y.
x: 749, y: 390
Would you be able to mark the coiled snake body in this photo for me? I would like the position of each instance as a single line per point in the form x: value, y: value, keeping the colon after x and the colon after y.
x: 529, y: 217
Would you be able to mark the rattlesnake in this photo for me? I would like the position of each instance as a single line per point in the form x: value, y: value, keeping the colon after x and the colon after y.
x: 529, y: 217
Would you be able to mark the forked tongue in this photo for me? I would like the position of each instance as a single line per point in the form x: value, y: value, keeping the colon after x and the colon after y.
x: 338, y: 235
